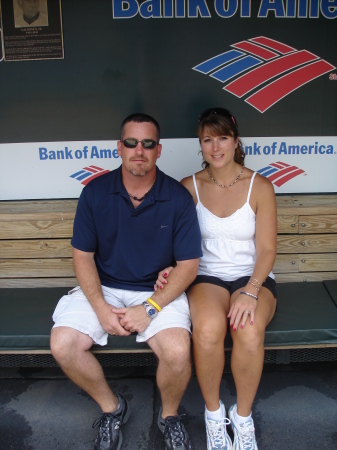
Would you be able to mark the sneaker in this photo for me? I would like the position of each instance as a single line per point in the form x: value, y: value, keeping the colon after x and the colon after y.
x: 216, y: 432
x: 244, y: 434
x: 109, y: 435
x: 175, y: 434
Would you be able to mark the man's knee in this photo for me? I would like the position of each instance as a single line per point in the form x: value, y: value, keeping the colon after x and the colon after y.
x: 65, y: 342
x: 175, y: 349
x: 60, y: 342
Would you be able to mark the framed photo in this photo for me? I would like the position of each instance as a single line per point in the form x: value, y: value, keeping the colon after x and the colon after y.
x: 32, y: 29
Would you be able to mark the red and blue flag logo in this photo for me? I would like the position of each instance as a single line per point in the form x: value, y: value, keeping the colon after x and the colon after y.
x: 279, y: 173
x: 264, y: 70
x: 88, y: 173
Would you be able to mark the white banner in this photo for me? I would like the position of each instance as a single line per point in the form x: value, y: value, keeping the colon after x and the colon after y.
x: 61, y: 169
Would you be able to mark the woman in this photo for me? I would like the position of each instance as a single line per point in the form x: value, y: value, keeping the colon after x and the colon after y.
x: 235, y: 286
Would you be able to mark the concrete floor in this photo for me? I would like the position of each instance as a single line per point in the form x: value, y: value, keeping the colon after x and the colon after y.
x: 295, y: 408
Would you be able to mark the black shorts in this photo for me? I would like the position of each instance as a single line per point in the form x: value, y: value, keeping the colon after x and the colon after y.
x: 233, y: 286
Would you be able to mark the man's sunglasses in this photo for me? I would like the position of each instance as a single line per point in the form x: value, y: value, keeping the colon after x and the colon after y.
x: 146, y: 143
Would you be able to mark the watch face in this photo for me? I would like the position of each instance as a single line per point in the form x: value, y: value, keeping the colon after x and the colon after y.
x: 150, y: 310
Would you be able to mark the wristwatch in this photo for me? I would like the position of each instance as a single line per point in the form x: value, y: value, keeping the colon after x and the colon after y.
x: 150, y: 310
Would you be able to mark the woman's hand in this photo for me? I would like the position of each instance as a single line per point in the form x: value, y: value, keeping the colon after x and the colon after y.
x: 162, y: 278
x: 242, y: 309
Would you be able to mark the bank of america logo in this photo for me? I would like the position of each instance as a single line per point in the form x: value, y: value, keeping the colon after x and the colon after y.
x: 88, y: 173
x: 279, y: 173
x: 265, y: 70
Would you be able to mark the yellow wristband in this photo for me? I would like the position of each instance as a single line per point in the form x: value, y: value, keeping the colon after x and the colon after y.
x: 153, y: 303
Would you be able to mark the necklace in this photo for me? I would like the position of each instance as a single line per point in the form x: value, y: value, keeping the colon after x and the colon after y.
x: 140, y: 199
x: 223, y: 185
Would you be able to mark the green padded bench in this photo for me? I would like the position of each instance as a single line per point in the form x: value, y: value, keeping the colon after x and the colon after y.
x: 331, y: 286
x: 306, y: 318
x: 26, y: 322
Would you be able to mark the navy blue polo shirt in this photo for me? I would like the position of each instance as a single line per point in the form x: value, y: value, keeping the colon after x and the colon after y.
x: 132, y: 245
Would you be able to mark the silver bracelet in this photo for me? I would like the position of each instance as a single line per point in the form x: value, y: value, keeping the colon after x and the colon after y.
x: 250, y: 295
x: 256, y: 281
x: 255, y: 286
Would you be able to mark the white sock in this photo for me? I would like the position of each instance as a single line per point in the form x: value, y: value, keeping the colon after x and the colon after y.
x: 241, y: 419
x: 214, y: 415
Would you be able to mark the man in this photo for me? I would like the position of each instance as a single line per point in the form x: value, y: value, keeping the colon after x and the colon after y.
x: 129, y: 224
x: 30, y: 16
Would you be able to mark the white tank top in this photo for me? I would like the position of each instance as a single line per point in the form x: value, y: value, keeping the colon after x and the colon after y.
x: 228, y: 243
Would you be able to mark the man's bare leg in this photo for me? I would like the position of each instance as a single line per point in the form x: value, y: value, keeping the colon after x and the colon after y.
x: 173, y: 349
x: 71, y: 349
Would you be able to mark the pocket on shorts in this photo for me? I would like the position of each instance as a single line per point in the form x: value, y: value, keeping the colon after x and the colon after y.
x: 181, y: 304
x: 61, y: 306
x: 77, y: 288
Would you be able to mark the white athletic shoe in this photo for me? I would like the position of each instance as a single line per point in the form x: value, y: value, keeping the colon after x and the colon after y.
x: 244, y: 434
x: 217, y: 437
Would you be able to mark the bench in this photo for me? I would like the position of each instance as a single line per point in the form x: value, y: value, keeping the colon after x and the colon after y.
x: 36, y: 270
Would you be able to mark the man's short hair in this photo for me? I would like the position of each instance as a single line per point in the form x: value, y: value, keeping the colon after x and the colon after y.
x: 140, y: 118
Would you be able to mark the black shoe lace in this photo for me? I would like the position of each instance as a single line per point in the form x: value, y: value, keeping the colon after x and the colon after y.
x: 173, y: 427
x: 103, y: 424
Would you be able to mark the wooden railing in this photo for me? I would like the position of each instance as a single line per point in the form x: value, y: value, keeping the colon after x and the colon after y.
x: 307, y: 238
x: 35, y: 239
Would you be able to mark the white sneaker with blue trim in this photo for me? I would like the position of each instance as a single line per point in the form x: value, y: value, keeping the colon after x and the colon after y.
x: 244, y: 434
x: 216, y: 432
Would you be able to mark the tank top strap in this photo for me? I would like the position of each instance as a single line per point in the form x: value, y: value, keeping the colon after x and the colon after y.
x: 196, y: 189
x: 250, y: 187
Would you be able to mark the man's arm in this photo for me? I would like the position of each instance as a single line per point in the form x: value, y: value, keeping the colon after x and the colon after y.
x: 181, y: 277
x: 135, y: 318
x: 87, y: 276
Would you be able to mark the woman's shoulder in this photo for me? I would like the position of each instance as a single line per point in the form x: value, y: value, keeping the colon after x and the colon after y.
x: 262, y: 182
x: 189, y: 184
x: 262, y: 189
x: 188, y: 181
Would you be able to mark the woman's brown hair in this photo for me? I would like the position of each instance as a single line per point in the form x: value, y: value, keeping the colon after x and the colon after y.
x: 220, y: 122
